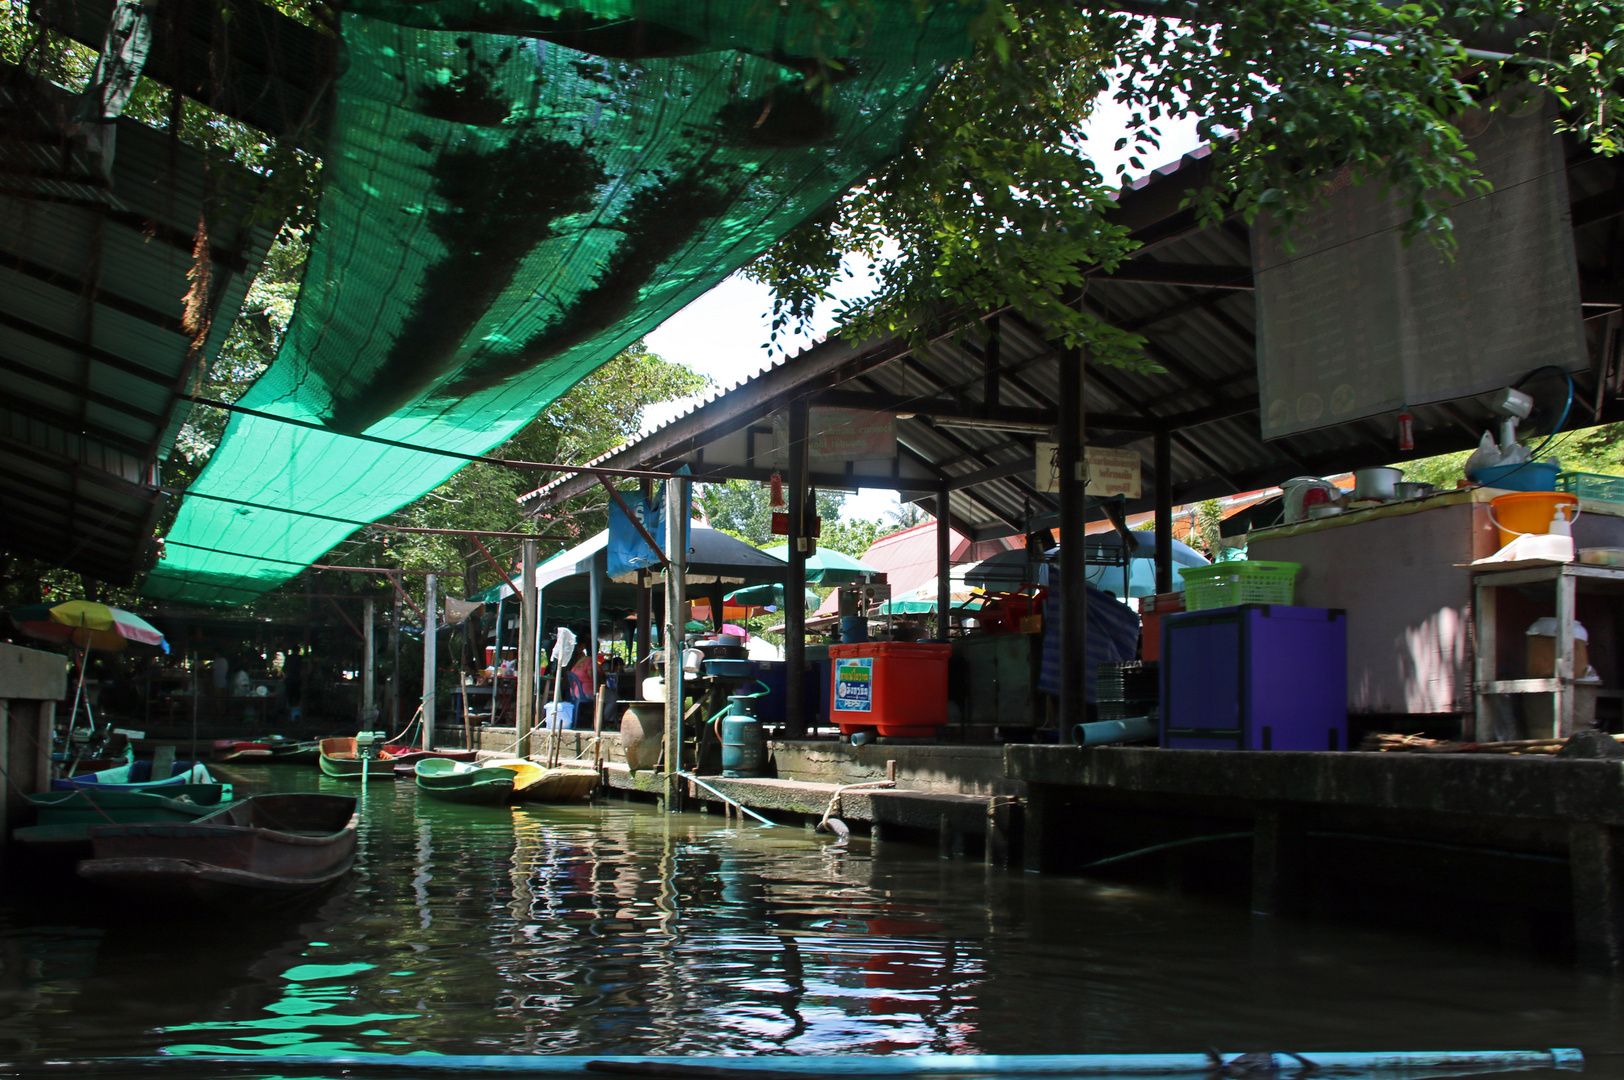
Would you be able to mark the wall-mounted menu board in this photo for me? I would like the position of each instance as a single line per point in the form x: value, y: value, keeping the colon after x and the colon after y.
x: 1353, y: 323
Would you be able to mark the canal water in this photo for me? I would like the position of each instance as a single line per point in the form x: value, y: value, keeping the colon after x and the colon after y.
x: 613, y: 928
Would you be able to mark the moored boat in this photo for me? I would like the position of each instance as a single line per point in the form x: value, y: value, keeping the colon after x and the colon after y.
x: 564, y: 783
x: 341, y: 759
x: 464, y: 782
x: 64, y: 818
x: 407, y: 757
x: 524, y: 772
x: 307, y: 750
x: 265, y: 849
x: 137, y: 776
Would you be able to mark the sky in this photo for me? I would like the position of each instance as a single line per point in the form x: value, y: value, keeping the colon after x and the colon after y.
x: 721, y: 334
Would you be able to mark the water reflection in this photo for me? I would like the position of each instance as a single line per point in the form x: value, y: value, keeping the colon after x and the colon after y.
x: 615, y: 929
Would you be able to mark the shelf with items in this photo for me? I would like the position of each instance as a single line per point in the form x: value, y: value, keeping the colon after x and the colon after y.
x: 1568, y: 583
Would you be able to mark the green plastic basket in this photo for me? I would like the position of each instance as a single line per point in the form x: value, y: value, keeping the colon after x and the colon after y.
x: 1592, y: 486
x: 1255, y: 581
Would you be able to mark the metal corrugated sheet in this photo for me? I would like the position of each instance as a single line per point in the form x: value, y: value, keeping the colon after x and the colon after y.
x: 1200, y: 381
x: 93, y: 353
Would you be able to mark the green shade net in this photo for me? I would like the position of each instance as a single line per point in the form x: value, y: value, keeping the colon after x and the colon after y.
x: 514, y: 192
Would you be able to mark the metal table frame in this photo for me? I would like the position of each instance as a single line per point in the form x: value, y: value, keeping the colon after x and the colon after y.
x: 1568, y: 579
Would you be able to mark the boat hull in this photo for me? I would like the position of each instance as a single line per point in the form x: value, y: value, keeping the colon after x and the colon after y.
x: 136, y: 778
x: 562, y: 785
x: 341, y: 760
x: 464, y: 782
x: 266, y: 849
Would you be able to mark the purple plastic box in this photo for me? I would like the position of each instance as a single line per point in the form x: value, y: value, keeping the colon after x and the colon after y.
x: 1255, y: 677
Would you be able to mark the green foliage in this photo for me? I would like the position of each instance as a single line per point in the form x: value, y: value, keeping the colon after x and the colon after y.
x: 997, y: 199
x: 743, y: 509
x: 851, y: 537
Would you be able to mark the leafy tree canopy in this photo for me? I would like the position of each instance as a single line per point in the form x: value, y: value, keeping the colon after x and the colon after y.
x: 997, y: 199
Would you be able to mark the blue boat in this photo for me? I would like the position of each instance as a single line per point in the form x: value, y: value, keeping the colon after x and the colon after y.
x: 137, y: 776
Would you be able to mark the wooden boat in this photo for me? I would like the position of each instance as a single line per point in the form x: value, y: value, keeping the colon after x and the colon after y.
x: 237, y: 750
x: 308, y: 750
x: 65, y: 817
x: 463, y: 782
x: 266, y: 849
x: 524, y: 772
x: 407, y: 757
x: 340, y: 758
x: 137, y: 776
x: 562, y: 783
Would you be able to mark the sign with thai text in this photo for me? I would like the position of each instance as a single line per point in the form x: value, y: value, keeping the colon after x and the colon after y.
x: 1108, y: 471
x: 854, y: 684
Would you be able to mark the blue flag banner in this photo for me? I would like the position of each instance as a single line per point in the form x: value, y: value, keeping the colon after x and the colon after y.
x: 628, y: 551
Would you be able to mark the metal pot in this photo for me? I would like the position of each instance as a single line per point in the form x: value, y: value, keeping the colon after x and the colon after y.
x: 1412, y: 489
x: 1376, y: 483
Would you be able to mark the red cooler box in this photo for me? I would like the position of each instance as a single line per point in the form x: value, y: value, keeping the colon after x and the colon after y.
x: 898, y: 688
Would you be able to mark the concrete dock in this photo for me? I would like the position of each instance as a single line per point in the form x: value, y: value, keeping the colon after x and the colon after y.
x: 1523, y: 850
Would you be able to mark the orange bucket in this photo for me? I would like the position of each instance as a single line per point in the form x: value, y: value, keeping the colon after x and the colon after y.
x: 1528, y: 512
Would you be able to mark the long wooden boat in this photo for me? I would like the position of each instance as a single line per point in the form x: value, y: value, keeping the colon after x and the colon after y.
x: 566, y: 783
x: 137, y: 776
x: 407, y: 757
x: 64, y: 818
x: 524, y: 772
x: 340, y: 758
x: 308, y: 750
x: 266, y: 849
x: 463, y: 782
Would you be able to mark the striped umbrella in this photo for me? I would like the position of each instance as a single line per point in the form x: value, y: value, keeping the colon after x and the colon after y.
x: 86, y: 624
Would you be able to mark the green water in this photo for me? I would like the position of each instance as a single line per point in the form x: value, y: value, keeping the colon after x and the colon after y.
x: 615, y: 929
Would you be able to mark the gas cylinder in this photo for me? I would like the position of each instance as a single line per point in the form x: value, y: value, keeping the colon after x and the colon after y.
x: 744, y: 744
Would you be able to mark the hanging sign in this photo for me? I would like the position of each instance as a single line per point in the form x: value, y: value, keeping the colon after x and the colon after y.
x: 854, y: 684
x: 628, y: 551
x: 1108, y: 471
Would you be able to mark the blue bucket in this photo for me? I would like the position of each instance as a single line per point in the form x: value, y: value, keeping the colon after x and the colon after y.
x: 1526, y: 476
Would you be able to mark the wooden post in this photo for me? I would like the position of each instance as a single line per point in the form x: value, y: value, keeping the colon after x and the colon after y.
x: 369, y: 664
x: 676, y: 549
x: 595, y: 579
x: 528, y: 644
x: 1073, y: 568
x: 1164, y: 512
x: 645, y: 614
x: 1479, y: 723
x: 392, y: 691
x: 431, y: 654
x: 944, y: 566
x: 795, y: 721
x: 1562, y: 700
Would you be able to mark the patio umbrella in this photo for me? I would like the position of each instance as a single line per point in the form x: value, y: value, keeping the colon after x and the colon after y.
x: 86, y: 625
x: 769, y: 595
x: 827, y: 567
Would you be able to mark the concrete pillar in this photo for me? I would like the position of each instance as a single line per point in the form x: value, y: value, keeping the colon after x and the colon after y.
x: 1164, y: 512
x: 1278, y: 858
x: 31, y: 682
x: 431, y: 654
x: 1073, y: 570
x: 1003, y: 830
x: 795, y: 719
x: 1045, y: 826
x: 1598, y: 895
x: 525, y: 699
x: 393, y: 690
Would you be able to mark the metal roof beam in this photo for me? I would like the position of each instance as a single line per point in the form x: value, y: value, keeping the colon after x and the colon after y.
x: 1149, y: 271
x: 100, y: 294
x: 80, y: 470
x: 101, y: 356
x: 107, y: 401
x: 880, y: 401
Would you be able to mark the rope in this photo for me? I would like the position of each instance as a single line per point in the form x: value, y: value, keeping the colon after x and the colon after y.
x: 834, y: 800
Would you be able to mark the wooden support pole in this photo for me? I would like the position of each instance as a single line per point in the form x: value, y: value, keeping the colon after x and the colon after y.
x: 795, y: 719
x: 369, y: 663
x: 1073, y: 567
x: 1164, y: 511
x: 431, y: 653
x: 944, y: 567
x: 645, y: 618
x: 676, y: 546
x: 392, y: 691
x: 594, y: 604
x: 528, y: 632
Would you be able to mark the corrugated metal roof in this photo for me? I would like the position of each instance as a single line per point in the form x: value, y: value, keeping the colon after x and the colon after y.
x: 93, y: 352
x: 1188, y: 291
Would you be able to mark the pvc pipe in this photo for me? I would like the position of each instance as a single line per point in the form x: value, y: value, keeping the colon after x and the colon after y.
x: 730, y: 801
x: 1135, y: 729
x: 1464, y: 1061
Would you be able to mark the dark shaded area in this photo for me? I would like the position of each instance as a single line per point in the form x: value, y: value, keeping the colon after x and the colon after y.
x: 501, y: 204
x: 659, y: 221
x: 785, y: 116
x: 470, y: 97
